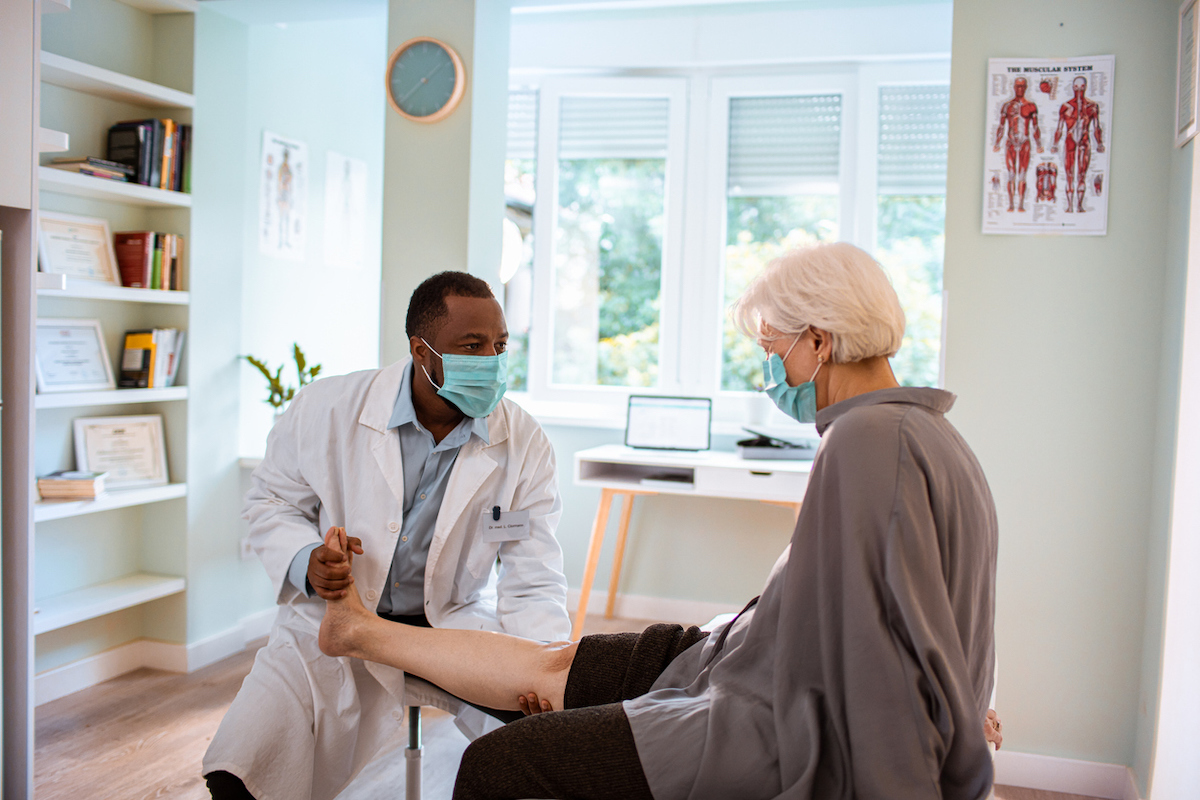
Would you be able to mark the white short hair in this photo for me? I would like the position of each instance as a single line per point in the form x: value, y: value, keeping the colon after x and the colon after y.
x: 835, y: 287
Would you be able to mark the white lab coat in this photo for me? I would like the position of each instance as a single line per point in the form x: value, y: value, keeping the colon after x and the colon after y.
x: 303, y: 723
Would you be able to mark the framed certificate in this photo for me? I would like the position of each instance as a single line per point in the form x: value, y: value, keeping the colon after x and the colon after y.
x: 81, y: 247
x: 70, y: 356
x: 131, y: 450
x: 1186, y: 75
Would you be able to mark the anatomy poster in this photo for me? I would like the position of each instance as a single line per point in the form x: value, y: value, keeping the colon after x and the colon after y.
x: 345, y: 211
x: 283, y: 193
x: 1049, y: 125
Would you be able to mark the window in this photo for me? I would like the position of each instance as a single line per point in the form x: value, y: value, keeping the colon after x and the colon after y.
x: 609, y: 189
x: 632, y: 276
x: 781, y: 192
x: 910, y: 241
x: 516, y: 260
x: 608, y: 240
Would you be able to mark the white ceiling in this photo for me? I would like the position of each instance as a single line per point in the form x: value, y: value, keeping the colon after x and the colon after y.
x: 269, y: 12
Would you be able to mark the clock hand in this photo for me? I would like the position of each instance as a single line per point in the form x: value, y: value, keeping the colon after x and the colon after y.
x: 422, y: 82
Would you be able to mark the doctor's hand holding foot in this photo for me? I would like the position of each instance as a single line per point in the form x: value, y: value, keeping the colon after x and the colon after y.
x: 329, y: 569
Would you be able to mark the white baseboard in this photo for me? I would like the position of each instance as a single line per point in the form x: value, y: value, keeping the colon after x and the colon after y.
x: 1068, y: 775
x: 227, y: 643
x: 633, y: 606
x: 70, y: 678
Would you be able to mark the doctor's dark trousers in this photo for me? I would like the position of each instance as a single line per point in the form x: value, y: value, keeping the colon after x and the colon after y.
x: 585, y: 752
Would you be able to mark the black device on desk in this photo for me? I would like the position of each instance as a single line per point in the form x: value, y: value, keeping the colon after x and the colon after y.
x: 765, y: 446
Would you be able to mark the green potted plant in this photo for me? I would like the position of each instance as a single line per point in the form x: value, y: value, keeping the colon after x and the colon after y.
x: 279, y: 395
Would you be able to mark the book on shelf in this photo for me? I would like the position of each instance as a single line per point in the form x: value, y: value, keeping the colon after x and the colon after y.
x: 71, y: 485
x: 151, y: 358
x: 150, y: 260
x: 158, y: 150
x: 97, y: 167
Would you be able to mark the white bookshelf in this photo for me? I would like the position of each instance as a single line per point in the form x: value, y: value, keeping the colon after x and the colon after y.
x: 46, y: 510
x: 69, y: 608
x: 82, y: 77
x: 91, y: 290
x: 111, y: 397
x: 146, y: 528
x: 51, y: 141
x: 163, y: 6
x: 73, y: 183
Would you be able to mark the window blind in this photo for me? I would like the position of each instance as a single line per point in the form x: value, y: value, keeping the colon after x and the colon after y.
x: 613, y: 127
x: 784, y: 145
x: 522, y: 124
x: 914, y: 126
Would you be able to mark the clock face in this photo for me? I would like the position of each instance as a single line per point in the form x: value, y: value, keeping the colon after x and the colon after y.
x: 425, y: 80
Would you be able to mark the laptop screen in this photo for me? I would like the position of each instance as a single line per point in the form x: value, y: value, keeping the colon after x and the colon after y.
x: 668, y: 423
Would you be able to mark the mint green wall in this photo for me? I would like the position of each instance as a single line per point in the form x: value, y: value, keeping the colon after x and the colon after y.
x: 319, y: 83
x: 1166, y: 414
x: 427, y: 168
x: 1055, y: 347
x: 220, y: 587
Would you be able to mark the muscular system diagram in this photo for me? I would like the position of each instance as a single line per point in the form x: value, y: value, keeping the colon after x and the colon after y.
x: 1019, y: 120
x: 1078, y: 120
x: 1046, y: 156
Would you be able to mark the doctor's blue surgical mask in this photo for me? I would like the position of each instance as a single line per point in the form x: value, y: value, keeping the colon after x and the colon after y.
x: 474, y: 384
x: 798, y: 402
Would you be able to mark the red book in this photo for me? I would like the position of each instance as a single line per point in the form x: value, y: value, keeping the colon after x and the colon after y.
x: 135, y: 257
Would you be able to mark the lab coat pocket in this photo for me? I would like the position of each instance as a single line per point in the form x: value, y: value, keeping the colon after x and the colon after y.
x: 482, y: 558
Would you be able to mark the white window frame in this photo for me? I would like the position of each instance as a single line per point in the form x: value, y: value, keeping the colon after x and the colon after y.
x: 545, y: 221
x: 690, y: 342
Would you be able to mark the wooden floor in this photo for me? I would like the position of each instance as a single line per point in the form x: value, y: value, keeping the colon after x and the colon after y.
x: 143, y: 735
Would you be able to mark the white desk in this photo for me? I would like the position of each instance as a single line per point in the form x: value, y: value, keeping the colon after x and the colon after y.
x: 619, y: 470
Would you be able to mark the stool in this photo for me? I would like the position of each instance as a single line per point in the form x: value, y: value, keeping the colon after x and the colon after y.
x: 412, y: 755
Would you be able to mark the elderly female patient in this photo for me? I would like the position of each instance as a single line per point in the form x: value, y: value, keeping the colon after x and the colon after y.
x: 864, y: 668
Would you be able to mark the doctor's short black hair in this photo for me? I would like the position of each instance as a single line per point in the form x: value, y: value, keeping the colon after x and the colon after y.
x: 427, y: 306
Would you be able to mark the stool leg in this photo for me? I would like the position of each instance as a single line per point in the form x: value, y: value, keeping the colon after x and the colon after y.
x: 412, y: 755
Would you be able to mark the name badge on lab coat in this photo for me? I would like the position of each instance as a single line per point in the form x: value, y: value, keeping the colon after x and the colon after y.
x: 511, y: 525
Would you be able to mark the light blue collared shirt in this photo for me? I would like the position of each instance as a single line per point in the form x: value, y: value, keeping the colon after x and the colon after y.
x: 427, y: 468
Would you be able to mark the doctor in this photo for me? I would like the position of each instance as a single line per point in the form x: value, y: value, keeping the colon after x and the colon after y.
x: 416, y: 461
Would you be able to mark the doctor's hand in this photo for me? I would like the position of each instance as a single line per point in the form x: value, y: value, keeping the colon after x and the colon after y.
x: 530, y: 705
x: 329, y: 569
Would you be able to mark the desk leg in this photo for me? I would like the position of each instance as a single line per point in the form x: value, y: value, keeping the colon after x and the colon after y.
x: 619, y: 554
x: 593, y: 558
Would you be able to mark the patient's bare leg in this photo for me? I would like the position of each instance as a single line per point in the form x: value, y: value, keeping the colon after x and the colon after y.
x: 486, y: 668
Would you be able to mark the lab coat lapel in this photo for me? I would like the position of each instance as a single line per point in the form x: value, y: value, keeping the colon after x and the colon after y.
x: 376, y: 413
x: 471, y: 469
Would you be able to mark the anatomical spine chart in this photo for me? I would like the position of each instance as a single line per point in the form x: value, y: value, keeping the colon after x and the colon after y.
x: 1048, y: 139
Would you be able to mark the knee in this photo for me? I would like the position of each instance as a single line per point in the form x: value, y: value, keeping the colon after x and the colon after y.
x: 558, y: 657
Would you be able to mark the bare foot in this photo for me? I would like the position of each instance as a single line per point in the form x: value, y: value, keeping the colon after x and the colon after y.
x: 345, y: 619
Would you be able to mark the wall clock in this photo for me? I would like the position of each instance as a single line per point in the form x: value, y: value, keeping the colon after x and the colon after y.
x: 425, y: 80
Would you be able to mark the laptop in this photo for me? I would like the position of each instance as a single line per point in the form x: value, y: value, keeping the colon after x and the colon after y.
x: 654, y: 422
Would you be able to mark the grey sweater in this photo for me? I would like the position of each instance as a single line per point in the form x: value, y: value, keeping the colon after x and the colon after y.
x: 865, y: 669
